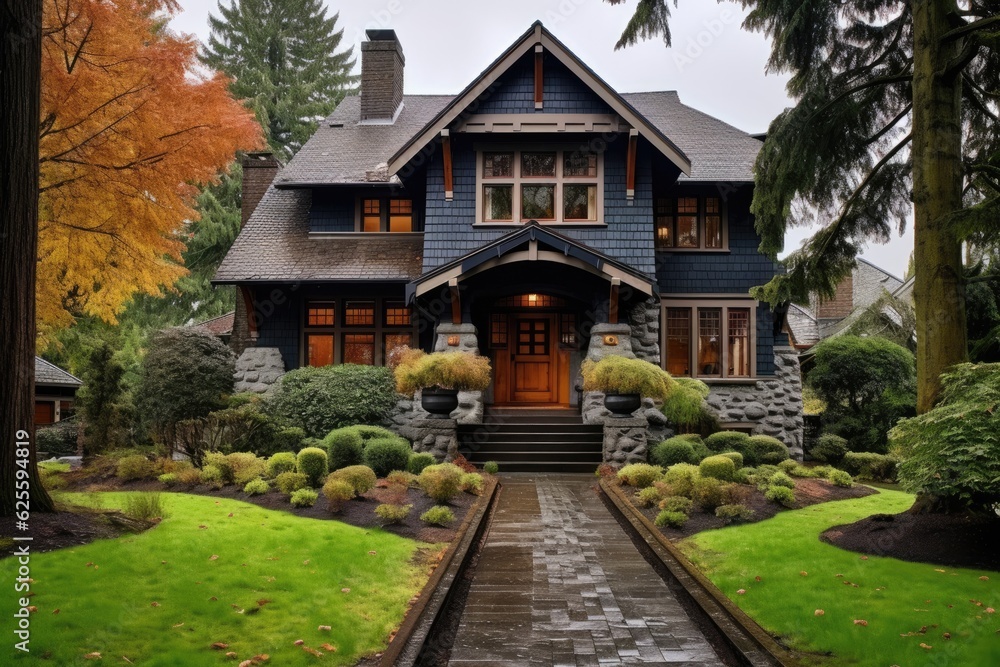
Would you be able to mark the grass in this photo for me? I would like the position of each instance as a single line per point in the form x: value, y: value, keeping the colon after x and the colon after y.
x: 799, y: 574
x: 218, y: 571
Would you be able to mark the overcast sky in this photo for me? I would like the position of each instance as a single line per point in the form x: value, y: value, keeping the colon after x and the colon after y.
x: 714, y: 65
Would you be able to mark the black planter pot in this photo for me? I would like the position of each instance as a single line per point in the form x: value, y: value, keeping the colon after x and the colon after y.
x: 439, y: 402
x: 622, y: 405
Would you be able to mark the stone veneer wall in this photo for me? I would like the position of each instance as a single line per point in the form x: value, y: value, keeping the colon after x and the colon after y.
x: 645, y: 322
x: 258, y: 370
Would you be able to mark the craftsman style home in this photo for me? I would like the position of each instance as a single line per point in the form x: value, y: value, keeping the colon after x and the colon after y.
x: 517, y: 217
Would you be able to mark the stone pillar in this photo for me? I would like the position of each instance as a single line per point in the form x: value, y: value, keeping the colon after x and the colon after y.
x: 625, y: 440
x: 465, y: 338
x: 435, y: 436
x: 258, y: 370
x: 645, y: 322
x: 605, y: 340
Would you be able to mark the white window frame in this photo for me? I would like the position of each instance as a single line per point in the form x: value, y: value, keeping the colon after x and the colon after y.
x: 702, y: 215
x: 710, y: 302
x: 517, y: 180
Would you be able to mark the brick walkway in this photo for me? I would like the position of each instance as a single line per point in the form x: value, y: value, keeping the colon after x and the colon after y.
x: 559, y: 583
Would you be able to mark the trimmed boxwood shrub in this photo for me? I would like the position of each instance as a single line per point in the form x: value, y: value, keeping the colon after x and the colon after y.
x: 639, y: 475
x: 472, y: 482
x: 212, y: 476
x: 709, y: 492
x: 677, y: 504
x: 337, y: 492
x: 279, y: 463
x: 491, y: 467
x: 320, y: 399
x: 841, y: 478
x: 681, y: 478
x: 780, y: 494
x: 870, y: 466
x: 734, y: 513
x: 344, y: 447
x: 288, y: 439
x: 671, y: 451
x: 727, y: 441
x: 781, y: 479
x: 392, y: 514
x: 736, y: 457
x: 438, y: 516
x: 383, y: 455
x: 256, y: 487
x: 719, y: 467
x: 417, y: 462
x: 312, y: 463
x: 649, y: 496
x: 763, y: 450
x: 829, y: 448
x: 133, y: 467
x: 671, y: 519
x: 288, y: 482
x: 361, y: 478
x: 441, y: 482
x: 170, y: 478
x: 304, y: 498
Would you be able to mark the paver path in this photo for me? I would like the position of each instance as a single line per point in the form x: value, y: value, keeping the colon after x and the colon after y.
x: 560, y: 583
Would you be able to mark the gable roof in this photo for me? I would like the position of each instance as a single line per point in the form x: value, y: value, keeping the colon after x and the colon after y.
x: 802, y: 326
x: 218, y: 326
x: 535, y: 35
x: 48, y: 374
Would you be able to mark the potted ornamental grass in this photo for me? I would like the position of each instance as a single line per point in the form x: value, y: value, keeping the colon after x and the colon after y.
x: 625, y: 381
x: 440, y: 376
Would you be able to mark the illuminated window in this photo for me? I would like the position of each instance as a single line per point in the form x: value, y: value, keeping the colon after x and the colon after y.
x: 400, y: 215
x: 321, y: 316
x: 371, y: 220
x: 678, y: 348
x: 567, y: 330
x: 709, y: 339
x: 393, y: 341
x: 319, y: 349
x: 365, y: 331
x: 739, y: 342
x: 359, y: 313
x: 689, y: 223
x: 387, y: 214
x: 532, y: 301
x: 397, y: 314
x: 359, y: 349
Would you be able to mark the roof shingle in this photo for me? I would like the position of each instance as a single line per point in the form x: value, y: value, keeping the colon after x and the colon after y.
x: 49, y: 374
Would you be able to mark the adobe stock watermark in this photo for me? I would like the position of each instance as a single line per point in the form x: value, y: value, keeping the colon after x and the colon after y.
x: 697, y: 44
x: 22, y: 513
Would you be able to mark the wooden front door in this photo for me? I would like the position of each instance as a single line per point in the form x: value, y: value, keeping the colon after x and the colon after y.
x: 533, y: 363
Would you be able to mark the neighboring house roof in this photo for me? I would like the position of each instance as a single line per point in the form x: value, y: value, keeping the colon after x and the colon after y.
x: 869, y: 283
x: 802, y: 326
x: 275, y: 246
x: 905, y: 291
x: 49, y: 374
x: 218, y: 326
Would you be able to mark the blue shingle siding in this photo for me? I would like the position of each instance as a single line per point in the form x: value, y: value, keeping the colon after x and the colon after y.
x: 278, y: 321
x: 562, y: 91
x: 627, y: 234
x: 331, y: 215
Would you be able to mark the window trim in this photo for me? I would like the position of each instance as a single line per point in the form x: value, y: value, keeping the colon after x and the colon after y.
x: 702, y: 226
x: 379, y: 329
x: 516, y: 181
x: 725, y: 303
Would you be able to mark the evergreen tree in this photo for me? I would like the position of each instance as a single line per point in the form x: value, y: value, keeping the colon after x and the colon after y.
x: 895, y: 102
x: 99, y: 398
x: 282, y: 56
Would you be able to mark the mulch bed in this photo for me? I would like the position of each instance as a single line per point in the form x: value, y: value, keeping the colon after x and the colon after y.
x: 808, y: 492
x: 941, y: 539
x: 70, y: 529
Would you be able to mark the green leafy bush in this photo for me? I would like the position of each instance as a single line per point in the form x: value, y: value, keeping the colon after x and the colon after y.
x: 256, y: 487
x: 279, y: 463
x: 615, y: 374
x: 742, y: 475
x: 709, y: 492
x: 168, y: 478
x: 472, y: 482
x: 312, y: 463
x: 734, y: 513
x: 639, y: 475
x: 720, y: 467
x: 304, y: 498
x: 441, y: 482
x: 871, y: 466
x: 681, y: 478
x: 438, y: 516
x: 337, y: 492
x: 781, y: 479
x: 143, y: 506
x: 736, y: 458
x: 211, y: 475
x: 648, y: 497
x: 134, y: 467
x: 245, y: 467
x: 320, y: 399
x: 58, y: 439
x: 289, y: 482
x: 780, y: 494
x: 727, y: 441
x: 685, y: 405
x: 829, y: 448
x: 361, y: 478
x: 383, y: 455
x: 763, y: 450
x: 393, y: 514
x: 671, y: 451
x: 344, y: 447
x: 671, y: 519
x: 418, y: 461
x: 841, y: 478
x: 491, y: 468
x: 676, y: 504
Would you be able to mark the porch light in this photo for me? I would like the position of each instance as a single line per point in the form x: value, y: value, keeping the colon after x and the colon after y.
x: 532, y: 299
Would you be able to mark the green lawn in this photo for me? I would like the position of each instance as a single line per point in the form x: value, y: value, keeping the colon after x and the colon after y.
x: 218, y: 571
x: 799, y: 574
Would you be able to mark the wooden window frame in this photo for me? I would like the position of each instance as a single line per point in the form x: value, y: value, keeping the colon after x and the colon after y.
x: 516, y: 181
x: 703, y: 214
x: 379, y: 328
x: 705, y: 302
x: 385, y: 212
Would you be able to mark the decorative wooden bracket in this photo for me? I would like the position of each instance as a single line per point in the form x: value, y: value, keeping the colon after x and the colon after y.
x: 456, y: 301
x: 613, y: 302
x: 633, y: 145
x: 539, y: 78
x: 449, y: 186
x: 247, y: 295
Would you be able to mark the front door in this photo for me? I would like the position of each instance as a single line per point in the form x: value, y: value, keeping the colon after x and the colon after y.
x: 533, y: 373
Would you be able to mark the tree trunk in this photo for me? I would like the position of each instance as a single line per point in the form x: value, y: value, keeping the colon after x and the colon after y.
x: 20, y: 79
x: 939, y: 291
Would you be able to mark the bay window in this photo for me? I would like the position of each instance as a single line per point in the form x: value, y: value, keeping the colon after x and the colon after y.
x: 709, y: 338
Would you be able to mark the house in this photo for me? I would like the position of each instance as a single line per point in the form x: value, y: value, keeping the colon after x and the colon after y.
x: 538, y: 217
x: 221, y: 327
x: 55, y: 392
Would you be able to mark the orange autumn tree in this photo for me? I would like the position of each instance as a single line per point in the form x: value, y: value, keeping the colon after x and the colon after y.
x: 131, y: 126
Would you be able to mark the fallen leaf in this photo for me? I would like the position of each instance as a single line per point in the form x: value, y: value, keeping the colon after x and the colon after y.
x: 984, y: 578
x: 818, y: 612
x: 861, y: 622
x: 864, y: 558
x: 55, y: 611
x: 213, y: 598
x: 263, y: 601
x: 213, y: 557
x: 305, y: 562
x: 299, y: 642
x: 757, y: 579
x: 246, y: 663
x: 230, y: 514
x: 32, y: 609
x: 324, y: 628
x: 742, y: 591
x: 947, y: 635
x: 804, y: 573
x: 328, y: 647
x: 220, y: 646
x: 345, y: 590
x: 203, y: 527
x: 90, y: 564
x: 261, y: 658
x: 163, y: 562
x: 838, y: 575
x: 232, y: 655
x: 177, y: 625
x: 990, y: 610
x: 154, y: 604
x: 372, y: 553
x: 93, y: 656
x: 926, y: 647
x: 312, y: 651
x: 125, y: 658
x: 939, y: 570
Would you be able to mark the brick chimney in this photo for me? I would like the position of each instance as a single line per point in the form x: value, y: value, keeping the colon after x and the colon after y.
x: 382, y: 64
x: 259, y: 170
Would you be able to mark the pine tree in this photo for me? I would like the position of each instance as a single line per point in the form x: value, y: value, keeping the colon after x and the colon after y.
x: 99, y: 399
x: 282, y: 56
x: 896, y: 102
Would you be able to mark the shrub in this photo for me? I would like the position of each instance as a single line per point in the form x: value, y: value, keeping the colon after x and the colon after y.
x: 312, y: 463
x: 320, y: 399
x: 134, y: 467
x: 168, y: 478
x: 401, y: 478
x: 727, y: 441
x: 491, y: 468
x: 446, y: 370
x: 681, y: 478
x: 671, y: 519
x: 787, y: 466
x: 781, y: 479
x: 676, y: 504
x: 256, y: 487
x: 829, y: 448
x: 671, y: 451
x: 190, y: 477
x: 393, y: 514
x: 245, y: 466
x: 438, y: 516
x: 639, y: 475
x: 185, y: 373
x: 344, y: 447
x: 841, y: 478
x: 417, y: 462
x: 212, y: 475
x: 734, y: 513
x: 289, y: 482
x: 99, y: 400
x: 463, y: 463
x: 709, y: 492
x: 780, y: 494
x: 304, y: 498
x: 288, y: 439
x: 361, y: 478
x: 472, y: 482
x: 870, y: 466
x: 279, y: 463
x: 719, y: 467
x: 742, y: 475
x: 685, y: 405
x: 736, y: 458
x: 441, y: 481
x: 338, y: 492
x: 59, y: 439
x: 763, y: 450
x: 649, y: 496
x: 143, y: 506
x: 615, y: 374
x: 383, y: 455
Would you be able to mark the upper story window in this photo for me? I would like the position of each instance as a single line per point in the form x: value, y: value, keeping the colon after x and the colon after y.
x: 387, y: 214
x: 690, y: 223
x: 551, y: 186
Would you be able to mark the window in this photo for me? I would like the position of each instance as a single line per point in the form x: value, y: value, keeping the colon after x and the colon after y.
x: 356, y: 331
x: 555, y: 186
x: 715, y: 338
x: 387, y: 214
x: 498, y: 330
x: 690, y: 223
x: 567, y: 331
